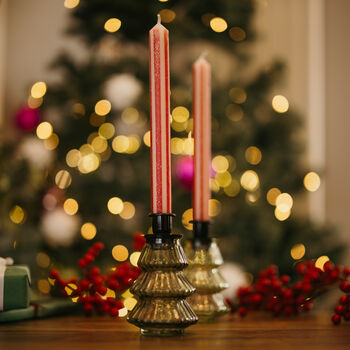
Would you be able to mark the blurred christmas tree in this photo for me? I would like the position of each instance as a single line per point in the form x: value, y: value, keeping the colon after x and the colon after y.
x: 99, y: 114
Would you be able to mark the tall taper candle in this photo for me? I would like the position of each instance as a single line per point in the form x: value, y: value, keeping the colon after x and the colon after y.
x: 202, y: 138
x: 160, y: 119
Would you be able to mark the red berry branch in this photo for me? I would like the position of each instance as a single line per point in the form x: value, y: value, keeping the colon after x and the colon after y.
x: 277, y: 295
x: 91, y: 290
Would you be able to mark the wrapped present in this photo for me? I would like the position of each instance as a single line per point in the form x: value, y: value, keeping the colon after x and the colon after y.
x: 41, y: 309
x: 14, y: 285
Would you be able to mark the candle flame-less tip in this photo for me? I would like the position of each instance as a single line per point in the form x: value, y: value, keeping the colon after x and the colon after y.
x: 159, y: 19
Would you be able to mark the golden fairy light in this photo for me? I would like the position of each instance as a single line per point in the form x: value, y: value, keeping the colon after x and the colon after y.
x: 214, y: 186
x: 134, y: 144
x: 162, y: 0
x: 214, y: 207
x: 284, y: 202
x: 102, y: 107
x: 128, y: 211
x: 281, y: 215
x: 96, y: 120
x: 63, y: 179
x: 69, y: 4
x: 218, y: 24
x: 44, y: 286
x: 79, y: 108
x: 223, y: 179
x: 250, y: 180
x: 130, y: 303
x: 234, y: 112
x: 99, y: 144
x: 34, y: 102
x: 73, y: 157
x: 252, y: 197
x: 134, y: 258
x: 180, y: 114
x: 298, y: 251
x: 120, y: 253
x: 88, y: 231
x: 312, y: 181
x: 86, y: 149
x: 106, y: 154
x: 321, y: 261
x: 147, y: 138
x: 238, y: 95
x: 44, y: 130
x: 187, y: 218
x: 38, y: 89
x: 253, y: 155
x: 130, y: 115
x: 17, y: 214
x: 120, y: 143
x: 167, y: 15
x: 115, y: 205
x: 178, y: 126
x: 280, y: 104
x: 233, y: 189
x: 106, y: 130
x: 70, y: 206
x: 220, y: 164
x: 51, y: 142
x: 43, y: 260
x: 237, y: 34
x: 188, y: 145
x: 89, y: 163
x: 231, y: 162
x: 112, y: 25
x: 176, y: 145
x: 272, y: 195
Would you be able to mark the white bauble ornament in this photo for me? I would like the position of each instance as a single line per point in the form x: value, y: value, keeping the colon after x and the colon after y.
x: 34, y: 151
x: 59, y: 228
x: 122, y: 90
x: 234, y: 276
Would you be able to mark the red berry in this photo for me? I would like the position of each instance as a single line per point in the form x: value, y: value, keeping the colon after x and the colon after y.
x: 54, y: 274
x: 83, y: 263
x: 101, y: 290
x: 347, y: 316
x: 242, y: 311
x: 119, y: 304
x: 346, y: 271
x: 98, y: 246
x: 308, y: 306
x: 89, y: 258
x: 88, y: 308
x: 298, y: 286
x: 84, y: 284
x: 288, y: 310
x: 339, y: 309
x: 334, y: 274
x: 114, y: 311
x: 285, y: 279
x: 328, y: 266
x: 345, y: 286
x: 92, y: 251
x: 342, y: 300
x: 255, y: 298
x: 336, y: 319
x: 94, y: 270
x: 98, y: 280
x: 306, y: 288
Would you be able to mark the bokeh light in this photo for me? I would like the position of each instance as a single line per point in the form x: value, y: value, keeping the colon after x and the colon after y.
x: 237, y: 34
x: 43, y: 260
x: 214, y: 207
x: 69, y: 4
x: 223, y: 179
x: 73, y: 157
x: 44, y: 286
x: 282, y: 215
x: 70, y: 206
x: 298, y: 251
x: 312, y: 181
x: 88, y: 230
x: 128, y: 211
x: 238, y: 95
x: 280, y: 104
x: 115, y: 205
x: 102, y: 107
x: 147, y: 138
x: 321, y: 261
x: 187, y: 217
x: 253, y: 155
x: 218, y: 24
x: 234, y: 112
x: 44, y: 130
x: 167, y: 15
x: 250, y: 180
x: 272, y: 195
x: 134, y: 258
x: 63, y: 179
x: 51, y: 142
x: 180, y: 114
x: 284, y: 202
x: 17, y: 214
x: 120, y: 253
x: 233, y: 189
x: 220, y: 164
x: 38, y: 89
x: 106, y: 130
x: 130, y: 115
x: 112, y: 25
x: 34, y: 102
x: 130, y: 303
x: 120, y: 143
x: 99, y: 144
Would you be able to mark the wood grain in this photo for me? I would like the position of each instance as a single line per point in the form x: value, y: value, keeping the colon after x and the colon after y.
x: 256, y: 331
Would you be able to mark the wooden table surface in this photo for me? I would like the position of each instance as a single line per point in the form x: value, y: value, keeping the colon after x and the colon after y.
x: 256, y: 331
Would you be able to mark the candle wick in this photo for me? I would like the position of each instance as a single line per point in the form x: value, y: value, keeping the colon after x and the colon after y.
x: 159, y: 20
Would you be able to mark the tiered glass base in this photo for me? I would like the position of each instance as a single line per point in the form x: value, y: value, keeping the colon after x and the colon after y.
x: 162, y: 289
x: 203, y: 273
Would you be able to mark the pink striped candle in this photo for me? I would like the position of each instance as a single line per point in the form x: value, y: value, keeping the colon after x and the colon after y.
x: 202, y: 138
x: 160, y: 119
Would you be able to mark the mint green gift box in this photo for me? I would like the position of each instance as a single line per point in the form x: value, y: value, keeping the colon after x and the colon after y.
x: 16, y: 287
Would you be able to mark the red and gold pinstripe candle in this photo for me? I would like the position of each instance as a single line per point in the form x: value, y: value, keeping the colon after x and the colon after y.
x: 160, y: 119
x: 202, y: 138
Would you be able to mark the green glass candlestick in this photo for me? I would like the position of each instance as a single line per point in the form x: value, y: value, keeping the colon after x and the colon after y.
x: 162, y: 287
x: 204, y: 258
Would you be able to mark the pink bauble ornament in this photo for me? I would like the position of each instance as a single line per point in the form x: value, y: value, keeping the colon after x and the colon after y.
x: 184, y: 171
x: 27, y: 119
